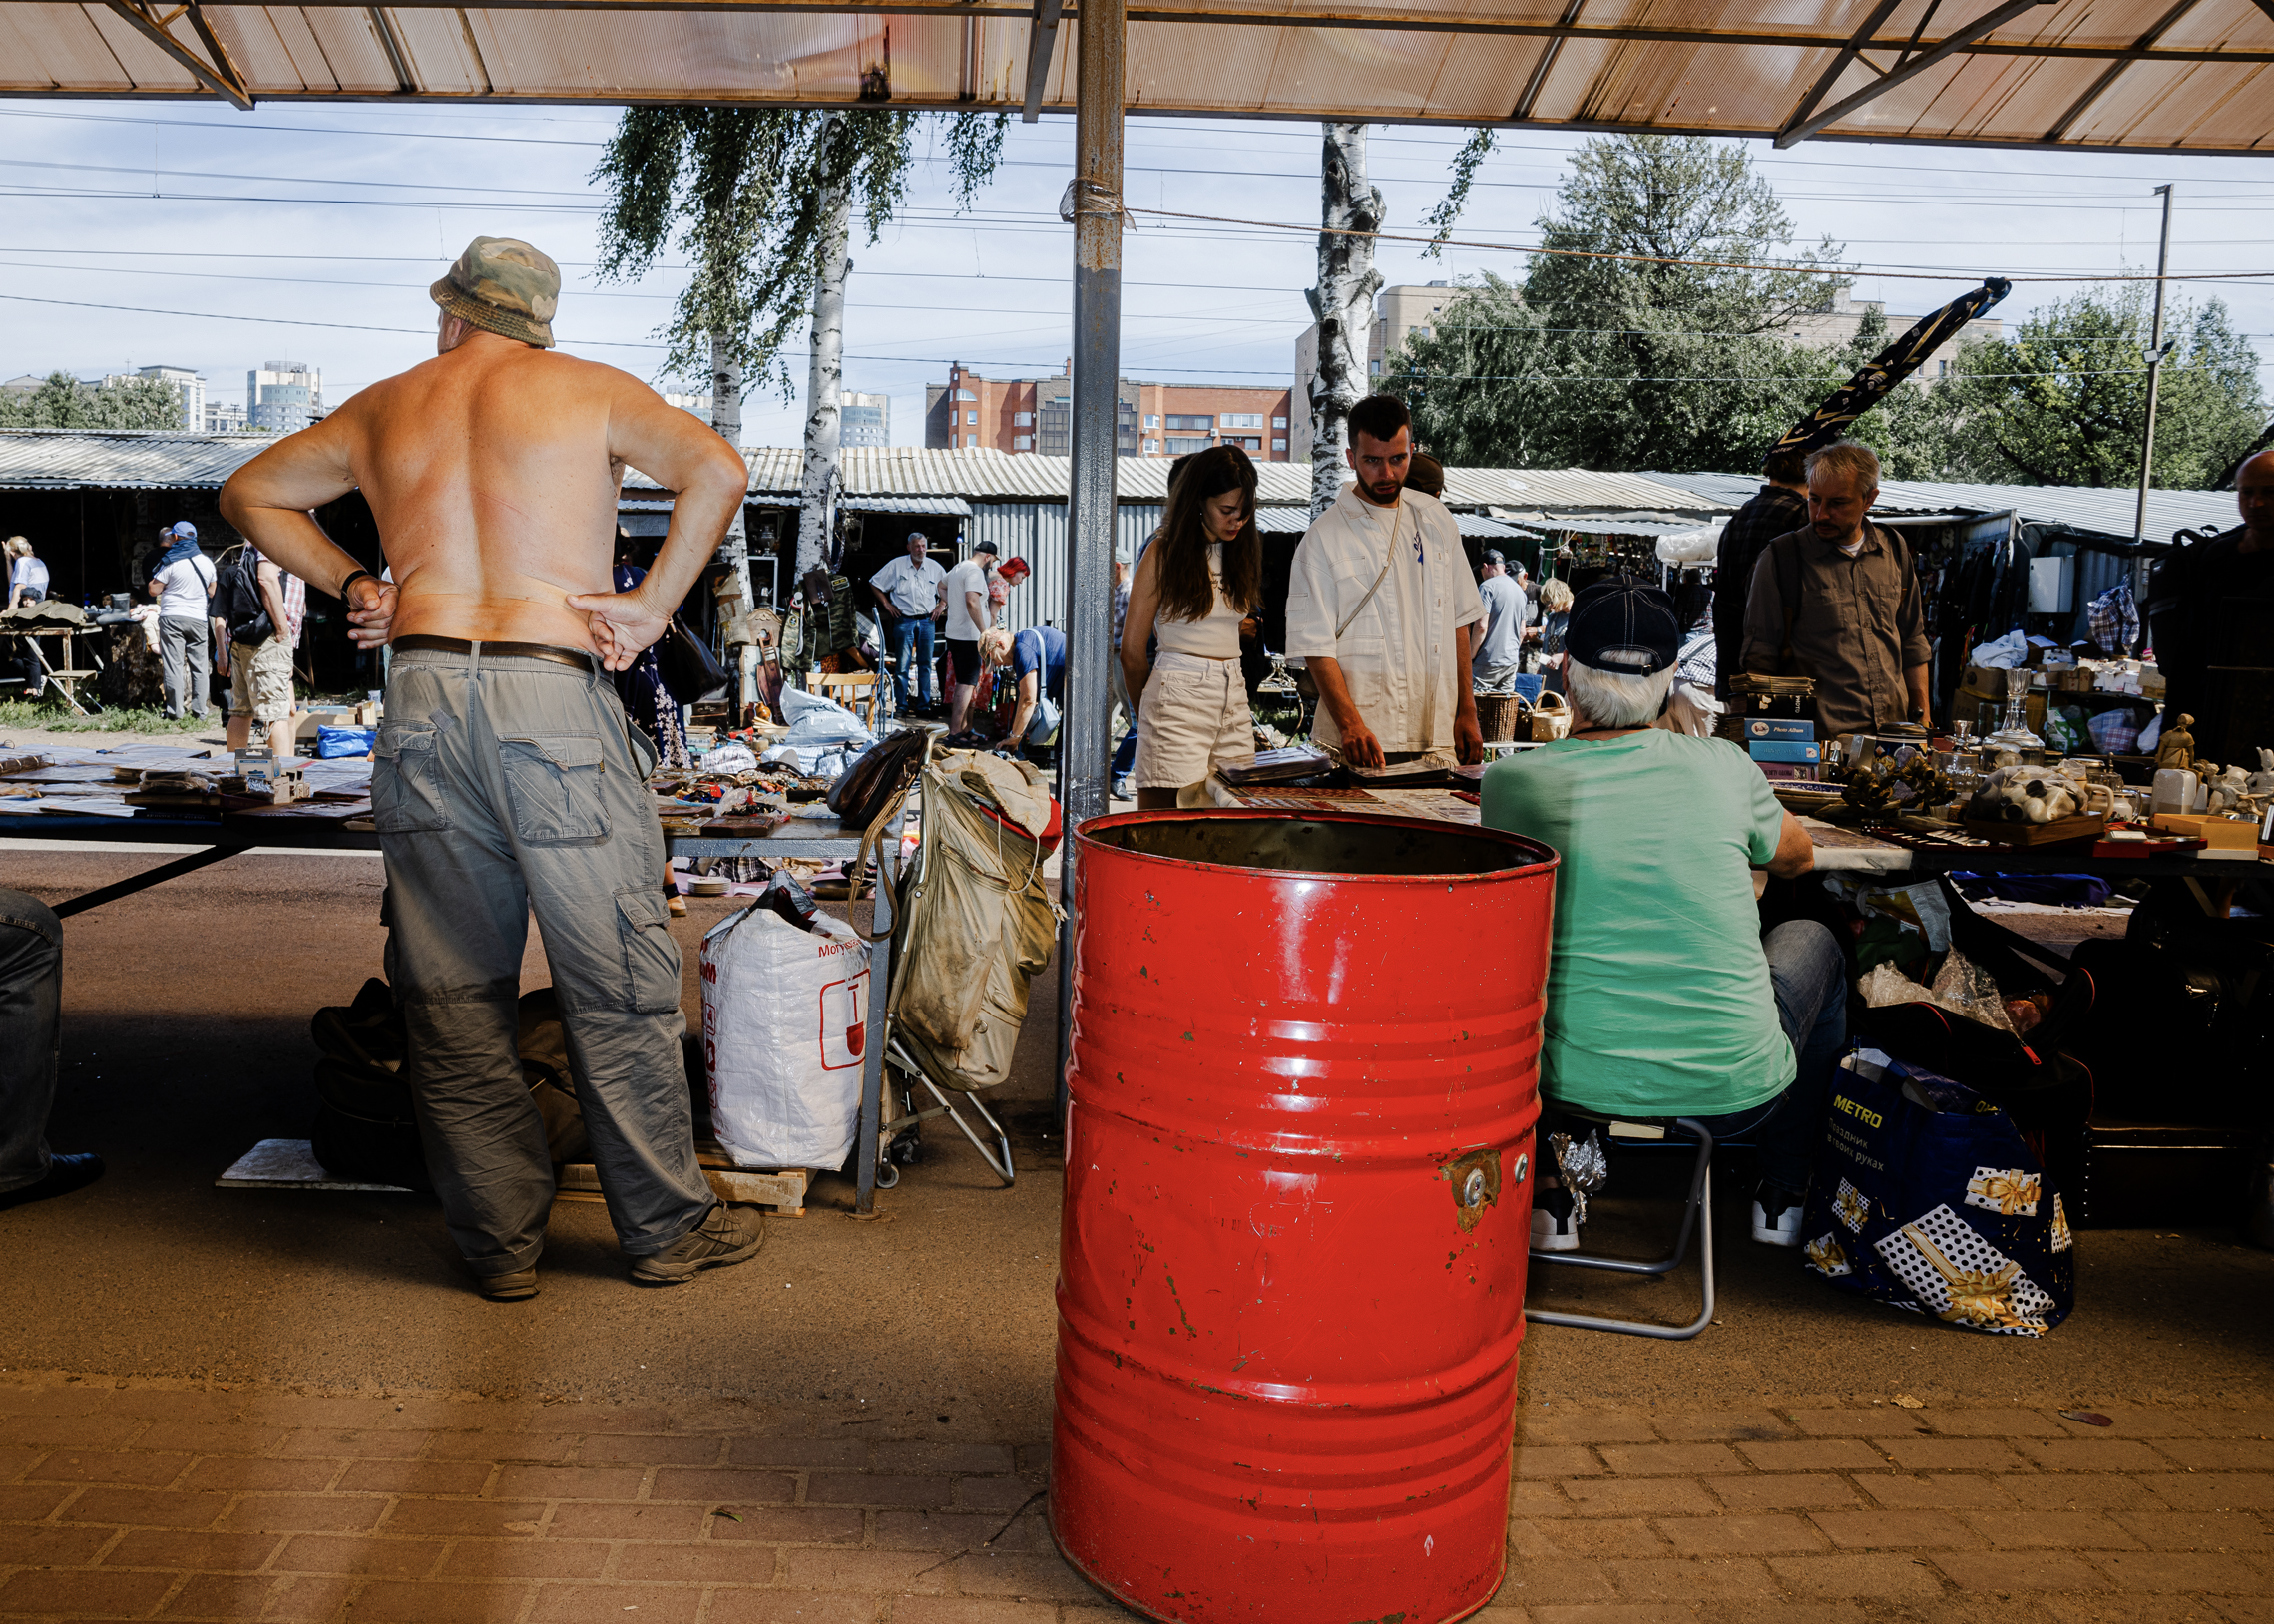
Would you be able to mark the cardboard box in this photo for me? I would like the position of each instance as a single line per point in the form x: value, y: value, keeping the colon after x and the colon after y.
x: 1788, y: 750
x: 2232, y: 838
x: 1779, y: 727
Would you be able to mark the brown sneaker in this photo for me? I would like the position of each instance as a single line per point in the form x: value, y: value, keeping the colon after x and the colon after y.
x: 724, y: 1236
x: 517, y: 1286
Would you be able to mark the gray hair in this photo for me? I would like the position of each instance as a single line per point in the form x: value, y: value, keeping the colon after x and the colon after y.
x: 1617, y: 699
x: 1850, y: 457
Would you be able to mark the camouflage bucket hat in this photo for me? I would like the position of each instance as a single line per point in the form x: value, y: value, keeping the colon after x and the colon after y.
x: 504, y: 287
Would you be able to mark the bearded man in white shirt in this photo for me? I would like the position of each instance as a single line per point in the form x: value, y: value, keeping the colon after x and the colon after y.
x: 1383, y: 610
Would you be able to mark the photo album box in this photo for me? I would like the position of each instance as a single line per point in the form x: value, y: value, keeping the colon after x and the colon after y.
x: 1784, y: 750
x: 1785, y: 728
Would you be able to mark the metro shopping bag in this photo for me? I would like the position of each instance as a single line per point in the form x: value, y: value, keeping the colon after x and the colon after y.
x: 1926, y: 1198
x: 784, y: 1032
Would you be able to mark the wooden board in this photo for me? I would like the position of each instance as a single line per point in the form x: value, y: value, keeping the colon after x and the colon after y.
x: 784, y: 1192
x: 2085, y: 826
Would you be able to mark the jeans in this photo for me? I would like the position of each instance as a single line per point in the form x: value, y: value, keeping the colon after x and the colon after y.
x: 31, y: 1004
x: 501, y: 786
x: 1811, y: 982
x: 183, y: 648
x: 912, y: 640
x: 1125, y: 753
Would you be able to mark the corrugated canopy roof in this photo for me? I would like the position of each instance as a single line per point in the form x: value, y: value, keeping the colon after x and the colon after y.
x: 2146, y: 75
x: 2097, y: 511
x: 903, y: 479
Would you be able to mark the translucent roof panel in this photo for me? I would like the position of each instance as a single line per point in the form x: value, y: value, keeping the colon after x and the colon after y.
x: 2136, y: 73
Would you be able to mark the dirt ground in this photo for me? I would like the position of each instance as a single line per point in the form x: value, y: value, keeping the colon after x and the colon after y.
x: 185, y: 1013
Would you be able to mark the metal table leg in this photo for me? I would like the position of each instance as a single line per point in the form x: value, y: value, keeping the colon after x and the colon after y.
x: 866, y: 1143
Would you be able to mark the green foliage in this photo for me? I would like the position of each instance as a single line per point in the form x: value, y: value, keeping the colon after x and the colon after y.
x: 743, y: 191
x: 1627, y: 362
x: 2062, y: 400
x: 1658, y: 198
x: 63, y: 402
x: 52, y: 715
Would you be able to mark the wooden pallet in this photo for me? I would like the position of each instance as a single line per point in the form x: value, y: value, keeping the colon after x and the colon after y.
x: 783, y: 1193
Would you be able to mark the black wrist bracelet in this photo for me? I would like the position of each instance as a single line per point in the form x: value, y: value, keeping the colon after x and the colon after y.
x: 353, y: 578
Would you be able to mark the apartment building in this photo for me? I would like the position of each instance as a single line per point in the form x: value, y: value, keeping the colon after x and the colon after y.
x: 864, y: 420
x: 224, y: 417
x: 190, y: 385
x: 1409, y: 308
x: 1843, y: 317
x: 282, y: 397
x: 1154, y: 420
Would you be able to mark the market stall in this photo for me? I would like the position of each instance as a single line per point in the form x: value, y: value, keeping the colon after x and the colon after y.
x: 163, y: 797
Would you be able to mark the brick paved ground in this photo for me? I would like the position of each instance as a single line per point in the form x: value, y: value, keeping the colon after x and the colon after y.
x: 140, y: 1500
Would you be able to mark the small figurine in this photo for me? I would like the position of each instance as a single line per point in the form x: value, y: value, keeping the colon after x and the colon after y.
x: 2176, y: 748
x: 2262, y: 781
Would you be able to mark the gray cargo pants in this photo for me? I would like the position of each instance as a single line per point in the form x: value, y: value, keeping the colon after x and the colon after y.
x: 186, y: 660
x: 503, y: 785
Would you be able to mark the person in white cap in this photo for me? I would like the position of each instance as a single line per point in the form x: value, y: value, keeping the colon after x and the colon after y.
x: 183, y: 584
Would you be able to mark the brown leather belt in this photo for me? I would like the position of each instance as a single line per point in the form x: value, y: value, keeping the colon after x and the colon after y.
x: 417, y: 643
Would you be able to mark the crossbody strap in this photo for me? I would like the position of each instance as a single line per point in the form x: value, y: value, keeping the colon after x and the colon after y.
x: 1388, y: 557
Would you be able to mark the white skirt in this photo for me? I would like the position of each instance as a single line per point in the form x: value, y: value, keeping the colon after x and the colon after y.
x: 1192, y: 715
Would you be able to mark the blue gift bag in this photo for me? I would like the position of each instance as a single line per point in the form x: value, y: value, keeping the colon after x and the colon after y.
x: 1926, y: 1198
x: 334, y: 743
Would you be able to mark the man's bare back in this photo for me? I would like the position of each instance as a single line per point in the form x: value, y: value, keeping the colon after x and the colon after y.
x: 493, y: 472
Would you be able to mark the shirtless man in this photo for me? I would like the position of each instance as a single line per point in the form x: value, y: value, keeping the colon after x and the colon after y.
x: 506, y: 778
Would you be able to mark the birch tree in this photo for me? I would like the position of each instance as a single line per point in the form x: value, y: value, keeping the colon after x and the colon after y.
x: 1343, y: 301
x: 760, y: 200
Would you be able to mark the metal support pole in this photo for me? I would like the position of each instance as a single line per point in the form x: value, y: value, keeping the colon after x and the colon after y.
x: 2148, y: 437
x: 1100, y: 76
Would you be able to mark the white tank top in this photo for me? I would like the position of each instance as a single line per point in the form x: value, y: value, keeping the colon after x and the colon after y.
x: 1214, y: 638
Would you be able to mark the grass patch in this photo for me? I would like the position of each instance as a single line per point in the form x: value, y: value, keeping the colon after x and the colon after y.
x: 58, y: 718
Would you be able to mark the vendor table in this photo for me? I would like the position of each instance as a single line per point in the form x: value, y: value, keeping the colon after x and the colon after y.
x: 1837, y: 850
x: 322, y: 826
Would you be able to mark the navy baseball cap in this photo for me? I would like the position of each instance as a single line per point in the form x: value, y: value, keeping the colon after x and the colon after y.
x: 1493, y: 555
x: 985, y: 546
x: 1626, y: 629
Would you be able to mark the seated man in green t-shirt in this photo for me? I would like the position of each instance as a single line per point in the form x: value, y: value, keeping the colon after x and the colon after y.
x: 1665, y: 997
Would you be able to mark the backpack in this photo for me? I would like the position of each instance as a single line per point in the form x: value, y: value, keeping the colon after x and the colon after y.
x: 236, y: 602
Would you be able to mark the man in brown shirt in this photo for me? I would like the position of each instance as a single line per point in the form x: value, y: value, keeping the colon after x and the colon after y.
x: 1839, y: 602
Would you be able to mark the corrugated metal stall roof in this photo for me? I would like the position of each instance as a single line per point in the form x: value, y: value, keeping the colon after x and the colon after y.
x: 982, y: 474
x: 2127, y: 74
x: 1272, y: 520
x: 123, y: 459
x: 2096, y: 509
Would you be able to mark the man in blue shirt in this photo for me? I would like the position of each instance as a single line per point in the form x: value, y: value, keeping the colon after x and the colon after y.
x: 1036, y: 659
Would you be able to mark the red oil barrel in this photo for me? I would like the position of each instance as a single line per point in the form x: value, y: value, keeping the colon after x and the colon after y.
x: 1298, y: 1204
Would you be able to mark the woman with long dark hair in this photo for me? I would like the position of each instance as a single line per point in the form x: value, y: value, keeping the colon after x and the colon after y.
x: 1194, y: 587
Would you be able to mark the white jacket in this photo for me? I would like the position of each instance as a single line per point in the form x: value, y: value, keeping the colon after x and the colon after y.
x: 1398, y: 654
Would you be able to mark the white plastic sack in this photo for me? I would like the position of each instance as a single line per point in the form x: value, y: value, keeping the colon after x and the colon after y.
x: 1690, y: 546
x: 2002, y: 654
x: 784, y: 1026
x: 815, y: 720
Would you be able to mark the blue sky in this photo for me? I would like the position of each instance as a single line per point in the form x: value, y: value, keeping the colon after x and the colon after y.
x: 310, y: 225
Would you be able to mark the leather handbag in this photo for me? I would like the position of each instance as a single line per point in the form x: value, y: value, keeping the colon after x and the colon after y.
x: 689, y: 669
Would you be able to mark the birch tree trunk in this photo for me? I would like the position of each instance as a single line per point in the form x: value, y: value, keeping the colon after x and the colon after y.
x: 825, y: 380
x: 1342, y: 304
x: 726, y: 418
